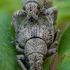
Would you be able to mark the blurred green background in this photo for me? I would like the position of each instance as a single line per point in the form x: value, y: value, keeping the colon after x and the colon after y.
x: 63, y: 13
x: 7, y: 7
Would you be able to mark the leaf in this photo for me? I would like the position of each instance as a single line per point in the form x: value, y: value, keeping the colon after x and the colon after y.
x: 46, y: 64
x: 65, y: 64
x: 7, y: 50
x: 64, y: 50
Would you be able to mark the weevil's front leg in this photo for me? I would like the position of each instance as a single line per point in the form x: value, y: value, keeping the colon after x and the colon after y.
x: 16, y: 16
x: 52, y: 53
x: 19, y: 58
x: 52, y: 14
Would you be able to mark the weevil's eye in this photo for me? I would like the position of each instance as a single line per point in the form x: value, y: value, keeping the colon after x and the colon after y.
x: 24, y: 8
x: 38, y: 7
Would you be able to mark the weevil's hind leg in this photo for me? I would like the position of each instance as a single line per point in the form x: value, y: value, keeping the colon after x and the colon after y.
x: 52, y: 53
x: 52, y: 61
x: 19, y: 58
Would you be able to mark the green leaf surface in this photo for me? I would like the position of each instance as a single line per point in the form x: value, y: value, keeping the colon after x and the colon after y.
x: 7, y: 50
x: 64, y: 45
x: 46, y: 64
x: 65, y: 64
x: 64, y: 50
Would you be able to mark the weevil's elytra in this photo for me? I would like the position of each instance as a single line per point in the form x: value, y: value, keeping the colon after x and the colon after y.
x: 35, y: 33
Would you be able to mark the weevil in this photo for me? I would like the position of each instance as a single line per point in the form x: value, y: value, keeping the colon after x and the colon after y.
x: 36, y: 35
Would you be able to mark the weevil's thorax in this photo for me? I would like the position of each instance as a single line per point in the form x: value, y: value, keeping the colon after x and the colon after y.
x: 41, y: 29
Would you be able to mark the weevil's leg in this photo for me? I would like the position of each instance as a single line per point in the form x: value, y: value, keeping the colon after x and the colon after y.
x: 52, y: 14
x: 19, y: 58
x: 19, y: 49
x: 56, y: 36
x: 17, y: 46
x: 52, y: 53
x: 16, y: 21
x: 53, y: 45
x: 52, y: 61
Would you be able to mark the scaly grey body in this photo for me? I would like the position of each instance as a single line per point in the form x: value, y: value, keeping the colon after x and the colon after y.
x: 34, y: 37
x: 36, y: 33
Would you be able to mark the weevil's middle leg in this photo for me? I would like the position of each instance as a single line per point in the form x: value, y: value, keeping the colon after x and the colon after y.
x: 17, y: 46
x: 19, y: 49
x: 56, y: 36
x: 53, y: 45
x: 52, y: 50
x: 19, y: 58
x: 55, y: 42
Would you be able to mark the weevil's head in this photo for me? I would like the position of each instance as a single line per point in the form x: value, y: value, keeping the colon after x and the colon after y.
x: 32, y: 9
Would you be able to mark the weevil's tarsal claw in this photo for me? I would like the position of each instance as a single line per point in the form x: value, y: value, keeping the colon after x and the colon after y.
x: 13, y: 41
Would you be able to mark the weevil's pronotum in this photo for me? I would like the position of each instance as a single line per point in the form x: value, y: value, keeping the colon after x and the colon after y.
x: 36, y: 36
